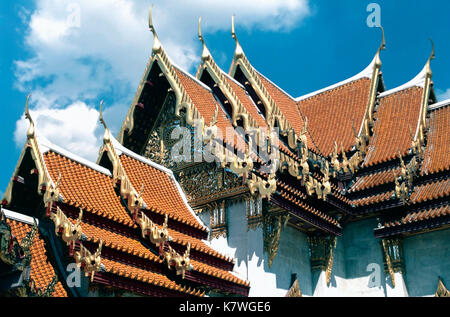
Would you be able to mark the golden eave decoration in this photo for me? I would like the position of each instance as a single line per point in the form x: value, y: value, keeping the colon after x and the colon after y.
x: 148, y: 228
x: 46, y: 186
x: 91, y: 263
x: 133, y: 198
x: 272, y: 110
x: 181, y: 263
x: 69, y: 232
x: 208, y: 64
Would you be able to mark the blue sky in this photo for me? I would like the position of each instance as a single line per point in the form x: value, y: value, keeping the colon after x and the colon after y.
x: 300, y: 45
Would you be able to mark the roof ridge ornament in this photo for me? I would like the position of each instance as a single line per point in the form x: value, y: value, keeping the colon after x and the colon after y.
x: 381, y: 48
x: 157, y: 46
x: 205, y: 53
x: 432, y: 56
x: 238, y: 51
x: 107, y: 135
x: 31, y: 129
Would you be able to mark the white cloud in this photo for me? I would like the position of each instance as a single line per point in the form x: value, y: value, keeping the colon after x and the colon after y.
x: 443, y: 94
x: 101, y: 53
x: 73, y: 128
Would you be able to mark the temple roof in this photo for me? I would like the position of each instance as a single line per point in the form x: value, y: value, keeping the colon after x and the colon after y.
x: 106, y: 219
x: 398, y: 114
x: 437, y: 151
x: 332, y: 112
x: 42, y: 271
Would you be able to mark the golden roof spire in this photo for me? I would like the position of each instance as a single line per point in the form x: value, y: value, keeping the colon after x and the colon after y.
x: 432, y: 56
x: 156, y: 43
x: 205, y: 54
x: 30, y: 132
x: 102, y: 121
x: 381, y: 48
x: 238, y: 52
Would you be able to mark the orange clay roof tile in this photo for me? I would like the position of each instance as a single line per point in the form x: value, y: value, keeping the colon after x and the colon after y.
x: 42, y: 271
x: 429, y: 191
x: 97, y: 195
x: 416, y: 216
x: 286, y: 104
x: 330, y: 114
x: 143, y: 275
x: 205, y: 103
x: 437, y: 152
x: 397, y: 115
x: 160, y: 191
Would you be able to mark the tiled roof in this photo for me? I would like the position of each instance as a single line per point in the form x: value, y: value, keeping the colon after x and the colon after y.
x: 42, y: 271
x: 437, y: 152
x: 285, y: 103
x: 330, y: 114
x: 160, y: 192
x: 376, y: 178
x: 145, y: 276
x: 131, y: 246
x: 246, y: 101
x: 417, y: 216
x: 84, y: 187
x: 93, y: 191
x: 373, y: 199
x: 205, y: 103
x: 289, y: 195
x: 397, y: 115
x: 430, y: 190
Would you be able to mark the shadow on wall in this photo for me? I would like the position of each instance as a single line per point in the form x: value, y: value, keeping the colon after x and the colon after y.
x: 427, y: 256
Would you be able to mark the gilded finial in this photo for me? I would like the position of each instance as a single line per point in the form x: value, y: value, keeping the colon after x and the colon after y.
x: 205, y: 54
x: 432, y: 56
x: 30, y: 132
x: 238, y: 52
x: 383, y: 41
x: 102, y: 120
x: 381, y: 48
x: 156, y: 43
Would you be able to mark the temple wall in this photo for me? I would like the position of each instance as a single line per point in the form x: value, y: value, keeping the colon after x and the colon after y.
x: 247, y: 248
x: 427, y: 256
x: 358, y: 268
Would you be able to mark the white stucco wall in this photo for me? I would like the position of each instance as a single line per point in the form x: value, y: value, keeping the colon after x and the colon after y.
x: 358, y: 261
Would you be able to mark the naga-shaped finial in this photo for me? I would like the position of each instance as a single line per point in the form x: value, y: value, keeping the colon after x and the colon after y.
x: 381, y: 48
x: 30, y: 132
x: 238, y: 52
x: 432, y: 56
x: 102, y: 120
x: 205, y: 54
x: 156, y: 43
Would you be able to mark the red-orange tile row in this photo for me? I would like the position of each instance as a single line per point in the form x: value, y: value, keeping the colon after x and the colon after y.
x: 429, y: 191
x: 437, y: 151
x: 286, y: 104
x: 330, y: 114
x: 160, y: 191
x: 374, y: 179
x: 397, y: 118
x: 421, y: 215
x: 308, y: 208
x: 80, y: 186
x: 117, y: 241
x: 144, y: 276
x: 84, y: 187
x: 222, y: 274
x: 373, y: 199
x: 42, y: 271
x: 205, y: 103
x: 133, y: 247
